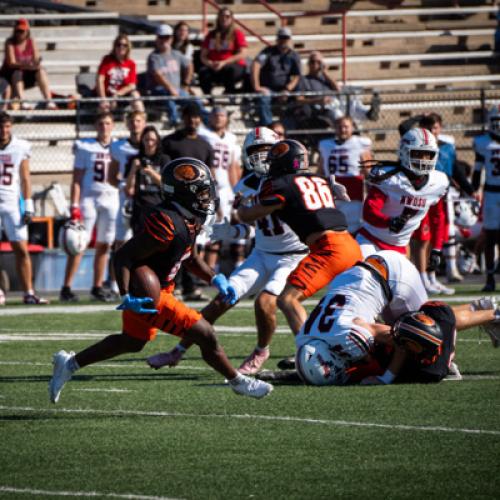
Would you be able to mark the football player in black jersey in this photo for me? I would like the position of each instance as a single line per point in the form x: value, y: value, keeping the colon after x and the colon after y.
x: 168, y: 238
x: 304, y: 201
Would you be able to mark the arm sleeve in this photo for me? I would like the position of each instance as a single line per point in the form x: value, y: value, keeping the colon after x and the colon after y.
x: 239, y: 40
x: 132, y: 76
x: 437, y: 220
x: 372, y: 208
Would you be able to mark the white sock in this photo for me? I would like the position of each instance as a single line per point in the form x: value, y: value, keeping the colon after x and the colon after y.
x: 425, y: 279
x: 238, y: 379
x: 262, y: 349
x: 73, y: 364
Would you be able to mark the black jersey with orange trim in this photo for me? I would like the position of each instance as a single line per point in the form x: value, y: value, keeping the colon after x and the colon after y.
x: 164, y: 224
x: 308, y: 203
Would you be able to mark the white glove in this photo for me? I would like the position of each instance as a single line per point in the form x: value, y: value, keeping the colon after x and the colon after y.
x: 339, y: 190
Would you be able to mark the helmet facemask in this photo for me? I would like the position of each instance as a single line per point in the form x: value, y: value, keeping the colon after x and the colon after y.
x: 257, y: 158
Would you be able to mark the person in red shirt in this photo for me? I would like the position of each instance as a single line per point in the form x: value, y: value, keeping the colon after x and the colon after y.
x: 223, y: 54
x: 117, y: 76
x: 22, y: 65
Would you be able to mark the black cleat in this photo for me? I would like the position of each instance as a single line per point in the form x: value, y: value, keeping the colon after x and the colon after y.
x: 98, y: 293
x: 287, y: 363
x: 66, y: 295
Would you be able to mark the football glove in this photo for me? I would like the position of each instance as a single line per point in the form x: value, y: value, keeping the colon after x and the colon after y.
x: 227, y: 291
x: 137, y: 304
x: 435, y: 259
x: 339, y: 190
x: 75, y: 213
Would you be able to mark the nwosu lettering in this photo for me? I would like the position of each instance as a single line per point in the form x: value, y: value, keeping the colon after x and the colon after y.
x: 413, y: 201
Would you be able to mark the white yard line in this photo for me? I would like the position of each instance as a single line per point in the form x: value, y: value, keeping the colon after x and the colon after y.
x: 45, y: 493
x: 111, y: 389
x: 86, y: 309
x: 276, y: 418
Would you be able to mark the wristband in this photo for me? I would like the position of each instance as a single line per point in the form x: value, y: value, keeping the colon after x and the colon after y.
x: 29, y: 206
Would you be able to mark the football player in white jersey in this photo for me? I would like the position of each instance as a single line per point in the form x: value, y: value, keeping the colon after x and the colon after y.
x: 341, y: 342
x: 226, y: 168
x: 277, y: 252
x: 343, y: 156
x: 14, y: 184
x: 94, y: 200
x: 399, y: 197
x: 487, y: 149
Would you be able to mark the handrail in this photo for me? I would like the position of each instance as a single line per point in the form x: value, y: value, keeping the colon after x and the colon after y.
x: 274, y: 11
x: 215, y: 5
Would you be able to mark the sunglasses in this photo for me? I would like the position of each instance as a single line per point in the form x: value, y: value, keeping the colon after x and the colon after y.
x: 126, y: 45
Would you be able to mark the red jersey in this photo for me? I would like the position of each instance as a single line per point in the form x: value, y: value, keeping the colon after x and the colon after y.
x: 117, y: 74
x: 220, y: 50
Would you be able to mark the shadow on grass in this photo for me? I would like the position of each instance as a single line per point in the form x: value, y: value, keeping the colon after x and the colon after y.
x: 105, y: 377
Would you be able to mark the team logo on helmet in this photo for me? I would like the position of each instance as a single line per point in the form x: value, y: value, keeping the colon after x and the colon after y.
x: 279, y: 150
x: 186, y: 173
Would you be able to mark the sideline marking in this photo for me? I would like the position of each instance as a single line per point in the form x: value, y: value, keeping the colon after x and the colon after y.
x: 29, y: 491
x: 85, y: 309
x: 343, y: 423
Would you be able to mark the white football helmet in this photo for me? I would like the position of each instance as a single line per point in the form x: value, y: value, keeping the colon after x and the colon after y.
x: 412, y: 143
x: 494, y: 120
x: 317, y: 365
x: 466, y: 212
x: 255, y: 148
x: 73, y: 237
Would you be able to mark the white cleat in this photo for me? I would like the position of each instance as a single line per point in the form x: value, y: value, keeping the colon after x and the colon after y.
x: 247, y: 386
x: 453, y: 372
x: 492, y: 329
x: 444, y: 290
x: 60, y: 374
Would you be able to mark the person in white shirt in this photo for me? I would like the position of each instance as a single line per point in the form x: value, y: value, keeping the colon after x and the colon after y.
x: 95, y: 201
x: 15, y: 185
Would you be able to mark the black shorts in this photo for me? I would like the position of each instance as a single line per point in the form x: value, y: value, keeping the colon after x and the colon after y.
x: 415, y: 372
x: 29, y: 77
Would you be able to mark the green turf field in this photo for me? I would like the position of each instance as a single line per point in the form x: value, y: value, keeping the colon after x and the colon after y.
x: 122, y: 430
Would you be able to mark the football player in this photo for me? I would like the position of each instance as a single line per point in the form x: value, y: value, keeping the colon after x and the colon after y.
x: 277, y: 252
x: 419, y: 347
x: 168, y: 240
x: 305, y: 202
x: 15, y: 185
x: 399, y: 197
x: 487, y: 149
x: 344, y: 157
x: 341, y: 343
x: 94, y: 200
x: 226, y: 168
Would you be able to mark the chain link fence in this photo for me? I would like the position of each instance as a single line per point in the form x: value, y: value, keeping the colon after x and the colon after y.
x: 464, y: 112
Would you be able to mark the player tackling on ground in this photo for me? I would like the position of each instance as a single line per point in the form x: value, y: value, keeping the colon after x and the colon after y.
x: 167, y: 241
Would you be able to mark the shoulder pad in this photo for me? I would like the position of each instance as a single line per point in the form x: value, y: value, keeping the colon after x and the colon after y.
x: 381, y: 173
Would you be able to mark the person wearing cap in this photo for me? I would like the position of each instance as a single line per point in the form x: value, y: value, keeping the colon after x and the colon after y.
x: 222, y: 55
x: 22, y: 65
x: 169, y: 72
x: 275, y: 69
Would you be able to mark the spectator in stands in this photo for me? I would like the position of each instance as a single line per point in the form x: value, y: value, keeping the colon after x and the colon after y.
x: 307, y: 107
x: 497, y: 33
x: 275, y: 69
x: 5, y: 93
x: 15, y: 184
x: 117, y: 76
x: 22, y: 65
x: 223, y: 54
x: 278, y: 128
x: 187, y: 142
x: 144, y: 178
x: 181, y: 40
x: 169, y: 72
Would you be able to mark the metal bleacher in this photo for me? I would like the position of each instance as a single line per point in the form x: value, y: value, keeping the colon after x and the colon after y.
x: 444, y: 48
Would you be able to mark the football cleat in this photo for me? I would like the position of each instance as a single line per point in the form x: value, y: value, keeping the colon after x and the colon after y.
x: 98, y: 293
x: 247, y: 386
x: 33, y: 300
x: 453, y: 372
x: 287, y: 363
x: 492, y: 329
x: 66, y: 295
x: 171, y: 358
x: 60, y: 374
x: 254, y: 362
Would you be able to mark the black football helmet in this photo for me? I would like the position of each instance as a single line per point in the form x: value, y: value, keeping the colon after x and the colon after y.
x: 188, y: 182
x: 419, y: 334
x: 287, y: 157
